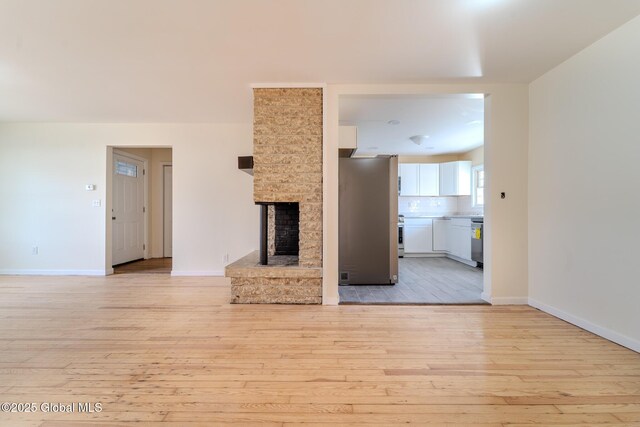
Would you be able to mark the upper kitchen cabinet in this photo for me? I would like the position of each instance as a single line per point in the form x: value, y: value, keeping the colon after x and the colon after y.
x: 347, y: 140
x: 419, y: 179
x: 409, y: 179
x: 429, y: 179
x: 455, y: 178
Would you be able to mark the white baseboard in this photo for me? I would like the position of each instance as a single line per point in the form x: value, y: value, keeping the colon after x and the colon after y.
x: 462, y: 260
x: 424, y: 255
x: 509, y: 300
x: 606, y: 333
x: 485, y: 297
x: 35, y: 272
x: 196, y: 273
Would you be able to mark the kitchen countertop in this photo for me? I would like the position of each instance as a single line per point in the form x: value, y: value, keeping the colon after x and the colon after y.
x: 441, y: 216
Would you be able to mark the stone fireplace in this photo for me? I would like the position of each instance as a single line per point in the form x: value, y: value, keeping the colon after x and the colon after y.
x: 287, y: 171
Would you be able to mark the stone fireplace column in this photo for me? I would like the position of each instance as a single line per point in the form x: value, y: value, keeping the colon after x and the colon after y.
x: 287, y: 168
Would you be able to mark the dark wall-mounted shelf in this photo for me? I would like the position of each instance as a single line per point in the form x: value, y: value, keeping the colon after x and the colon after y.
x: 245, y: 164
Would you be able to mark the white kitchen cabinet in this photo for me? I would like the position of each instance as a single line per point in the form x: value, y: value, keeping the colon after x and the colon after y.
x: 418, y: 235
x: 455, y: 178
x: 348, y: 137
x: 460, y: 238
x: 440, y: 232
x: 429, y: 179
x: 419, y: 179
x: 409, y: 179
x: 449, y: 236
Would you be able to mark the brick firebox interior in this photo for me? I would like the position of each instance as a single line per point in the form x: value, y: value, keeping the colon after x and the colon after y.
x: 287, y: 168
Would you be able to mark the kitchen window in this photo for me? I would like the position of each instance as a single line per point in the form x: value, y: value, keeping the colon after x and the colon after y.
x: 477, y: 187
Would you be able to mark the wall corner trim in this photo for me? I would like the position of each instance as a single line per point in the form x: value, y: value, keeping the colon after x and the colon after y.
x: 327, y: 300
x: 601, y: 331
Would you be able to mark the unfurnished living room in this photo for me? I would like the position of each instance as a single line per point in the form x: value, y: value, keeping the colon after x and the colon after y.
x: 341, y: 212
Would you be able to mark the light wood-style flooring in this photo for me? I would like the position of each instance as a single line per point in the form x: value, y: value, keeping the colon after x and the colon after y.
x: 145, y: 266
x: 171, y: 351
x: 422, y: 281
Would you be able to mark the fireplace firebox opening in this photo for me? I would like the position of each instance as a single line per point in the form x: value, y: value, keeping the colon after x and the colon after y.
x: 279, y: 230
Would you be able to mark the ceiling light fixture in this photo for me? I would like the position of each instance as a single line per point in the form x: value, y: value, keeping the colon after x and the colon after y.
x: 393, y: 122
x: 419, y: 139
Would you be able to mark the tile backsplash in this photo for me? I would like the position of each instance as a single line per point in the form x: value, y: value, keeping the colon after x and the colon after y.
x: 464, y: 206
x: 437, y: 205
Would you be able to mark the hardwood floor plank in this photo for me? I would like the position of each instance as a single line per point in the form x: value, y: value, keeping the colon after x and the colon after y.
x: 600, y: 408
x: 424, y: 419
x: 145, y: 266
x: 518, y: 410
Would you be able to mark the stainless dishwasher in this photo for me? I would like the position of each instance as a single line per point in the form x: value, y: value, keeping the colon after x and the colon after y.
x: 476, y: 241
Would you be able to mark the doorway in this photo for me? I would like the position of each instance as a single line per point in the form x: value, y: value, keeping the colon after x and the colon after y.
x: 140, y: 200
x: 438, y: 141
x: 128, y: 208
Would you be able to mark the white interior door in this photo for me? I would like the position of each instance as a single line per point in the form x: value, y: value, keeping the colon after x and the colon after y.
x: 168, y: 212
x: 127, y: 216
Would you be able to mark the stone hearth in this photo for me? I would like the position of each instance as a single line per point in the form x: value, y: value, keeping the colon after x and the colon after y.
x: 282, y: 281
x: 287, y: 171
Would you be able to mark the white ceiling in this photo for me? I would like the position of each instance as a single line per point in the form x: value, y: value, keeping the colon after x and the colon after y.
x: 193, y: 60
x: 453, y: 123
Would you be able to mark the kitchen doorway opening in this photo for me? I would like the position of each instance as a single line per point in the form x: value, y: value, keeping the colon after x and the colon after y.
x: 139, y: 237
x: 413, y: 232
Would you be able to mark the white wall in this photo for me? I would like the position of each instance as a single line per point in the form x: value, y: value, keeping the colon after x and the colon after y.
x: 44, y: 168
x: 506, y: 137
x: 584, y: 175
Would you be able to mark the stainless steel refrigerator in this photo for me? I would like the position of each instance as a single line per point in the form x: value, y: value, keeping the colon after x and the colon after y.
x: 368, y: 204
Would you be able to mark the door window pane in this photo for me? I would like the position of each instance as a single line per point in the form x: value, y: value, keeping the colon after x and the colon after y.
x: 127, y: 169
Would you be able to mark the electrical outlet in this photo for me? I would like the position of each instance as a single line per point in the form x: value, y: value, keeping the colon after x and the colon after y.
x: 96, y: 203
x: 34, y: 250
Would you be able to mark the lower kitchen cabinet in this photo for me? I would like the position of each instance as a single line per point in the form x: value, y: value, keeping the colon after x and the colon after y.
x: 459, y: 238
x: 440, y: 231
x: 418, y: 235
x: 430, y: 236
